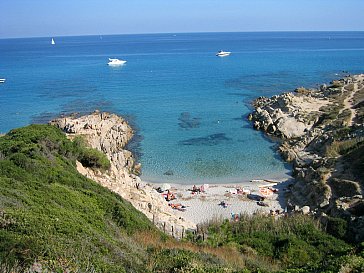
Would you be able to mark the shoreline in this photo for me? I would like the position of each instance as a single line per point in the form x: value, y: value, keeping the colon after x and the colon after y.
x: 217, y: 181
x: 204, y: 207
x: 295, y: 115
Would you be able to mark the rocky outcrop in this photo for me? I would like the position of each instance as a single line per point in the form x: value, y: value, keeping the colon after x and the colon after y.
x: 287, y: 116
x: 110, y: 133
x: 311, y: 126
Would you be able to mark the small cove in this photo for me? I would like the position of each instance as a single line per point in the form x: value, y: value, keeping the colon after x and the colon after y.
x: 188, y: 106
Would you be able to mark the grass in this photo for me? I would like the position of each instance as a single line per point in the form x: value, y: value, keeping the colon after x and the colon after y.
x: 338, y: 148
x: 280, y: 244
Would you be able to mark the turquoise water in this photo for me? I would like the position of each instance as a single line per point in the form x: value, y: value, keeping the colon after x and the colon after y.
x: 189, y: 107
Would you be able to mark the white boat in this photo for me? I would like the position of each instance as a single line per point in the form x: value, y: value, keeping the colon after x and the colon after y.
x: 2, y: 80
x: 116, y: 62
x: 53, y: 42
x: 257, y: 180
x: 223, y: 53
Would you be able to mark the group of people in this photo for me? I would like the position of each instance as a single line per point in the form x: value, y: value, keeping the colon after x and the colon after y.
x: 200, y: 189
x: 169, y: 196
x: 195, y: 189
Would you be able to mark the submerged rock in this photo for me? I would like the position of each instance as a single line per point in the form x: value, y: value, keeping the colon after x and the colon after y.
x: 186, y: 121
x: 210, y: 140
x: 169, y: 172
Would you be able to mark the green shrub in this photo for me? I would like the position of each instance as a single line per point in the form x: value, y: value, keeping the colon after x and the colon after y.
x: 338, y: 148
x: 337, y: 227
x: 177, y: 260
x: 93, y: 159
x: 294, y: 242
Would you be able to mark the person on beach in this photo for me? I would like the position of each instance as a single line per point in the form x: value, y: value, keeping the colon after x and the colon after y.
x: 177, y: 206
x: 223, y: 204
x: 195, y: 189
x: 235, y: 217
x: 170, y: 196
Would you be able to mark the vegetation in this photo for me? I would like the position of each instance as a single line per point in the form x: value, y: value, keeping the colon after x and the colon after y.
x: 52, y: 219
x: 359, y: 105
x: 349, y: 87
x: 53, y: 215
x: 292, y: 244
x: 90, y: 158
x: 336, y: 84
x: 337, y: 148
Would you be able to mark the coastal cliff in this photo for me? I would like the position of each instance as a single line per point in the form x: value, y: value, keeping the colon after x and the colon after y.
x: 109, y: 134
x: 322, y: 135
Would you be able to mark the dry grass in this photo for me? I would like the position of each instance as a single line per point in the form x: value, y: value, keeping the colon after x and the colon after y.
x: 336, y: 84
x: 229, y: 254
x: 349, y: 87
x: 338, y: 148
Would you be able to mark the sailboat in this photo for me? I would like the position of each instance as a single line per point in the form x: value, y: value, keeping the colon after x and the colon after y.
x: 53, y: 42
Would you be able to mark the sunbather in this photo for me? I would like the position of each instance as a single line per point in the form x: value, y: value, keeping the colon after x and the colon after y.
x: 177, y: 206
x: 170, y: 196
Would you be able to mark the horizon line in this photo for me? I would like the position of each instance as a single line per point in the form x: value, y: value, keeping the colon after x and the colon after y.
x: 196, y: 32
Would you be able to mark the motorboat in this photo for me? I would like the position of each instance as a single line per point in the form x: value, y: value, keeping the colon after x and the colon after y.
x: 115, y: 62
x: 223, y: 53
x: 2, y: 80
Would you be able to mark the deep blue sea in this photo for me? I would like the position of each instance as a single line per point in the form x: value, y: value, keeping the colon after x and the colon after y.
x: 188, y: 106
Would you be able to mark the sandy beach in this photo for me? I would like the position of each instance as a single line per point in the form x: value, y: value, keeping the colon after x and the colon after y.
x: 205, y: 206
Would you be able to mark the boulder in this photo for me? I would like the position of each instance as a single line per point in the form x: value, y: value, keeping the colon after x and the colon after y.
x: 305, y: 210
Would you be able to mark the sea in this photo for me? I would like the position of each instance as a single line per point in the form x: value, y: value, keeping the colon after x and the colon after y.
x: 187, y: 106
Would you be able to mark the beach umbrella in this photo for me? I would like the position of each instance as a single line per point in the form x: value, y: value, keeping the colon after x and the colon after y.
x: 265, y: 192
x: 165, y: 187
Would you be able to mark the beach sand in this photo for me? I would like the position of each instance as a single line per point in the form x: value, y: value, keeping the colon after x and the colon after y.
x: 203, y: 207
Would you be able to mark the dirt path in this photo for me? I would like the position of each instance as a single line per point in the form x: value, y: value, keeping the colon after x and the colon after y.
x: 349, y: 101
x: 348, y: 104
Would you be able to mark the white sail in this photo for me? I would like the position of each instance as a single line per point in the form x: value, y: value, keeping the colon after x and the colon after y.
x: 53, y: 42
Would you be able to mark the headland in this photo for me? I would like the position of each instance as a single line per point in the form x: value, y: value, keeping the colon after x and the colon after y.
x: 322, y: 134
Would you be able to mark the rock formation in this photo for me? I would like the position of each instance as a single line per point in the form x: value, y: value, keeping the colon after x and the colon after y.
x: 319, y: 131
x: 110, y: 133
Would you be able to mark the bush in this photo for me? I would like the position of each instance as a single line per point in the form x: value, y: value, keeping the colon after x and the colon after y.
x: 93, y: 159
x: 337, y: 227
x: 336, y: 84
x: 293, y: 242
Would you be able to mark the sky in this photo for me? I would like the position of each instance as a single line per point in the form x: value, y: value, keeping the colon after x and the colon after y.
x: 50, y: 18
